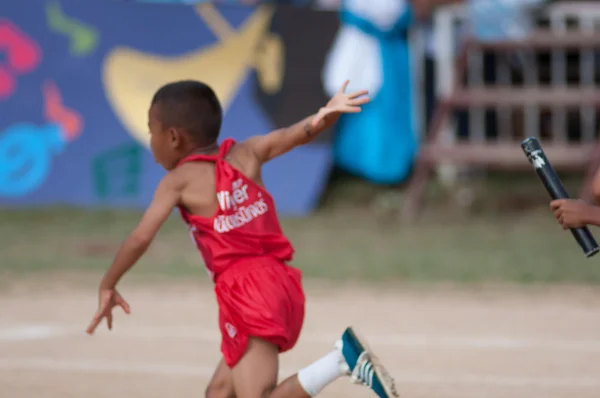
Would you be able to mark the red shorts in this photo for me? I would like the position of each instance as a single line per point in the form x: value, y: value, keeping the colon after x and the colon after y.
x: 259, y: 298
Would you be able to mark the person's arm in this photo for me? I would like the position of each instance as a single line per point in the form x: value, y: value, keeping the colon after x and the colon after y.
x: 592, y: 216
x: 596, y: 187
x: 165, y: 199
x: 278, y: 142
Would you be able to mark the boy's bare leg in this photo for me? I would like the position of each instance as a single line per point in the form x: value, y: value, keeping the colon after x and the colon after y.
x: 221, y: 384
x: 255, y: 376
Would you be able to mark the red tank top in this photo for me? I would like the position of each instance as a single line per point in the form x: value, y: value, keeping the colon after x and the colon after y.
x: 245, y: 225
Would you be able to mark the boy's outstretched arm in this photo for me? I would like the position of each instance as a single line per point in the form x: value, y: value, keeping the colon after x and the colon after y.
x: 280, y: 141
x: 165, y: 199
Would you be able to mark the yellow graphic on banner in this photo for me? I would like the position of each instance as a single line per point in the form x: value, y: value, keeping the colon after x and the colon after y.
x: 131, y: 77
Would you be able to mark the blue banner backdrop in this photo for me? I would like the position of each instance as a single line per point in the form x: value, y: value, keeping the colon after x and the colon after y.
x: 76, y: 78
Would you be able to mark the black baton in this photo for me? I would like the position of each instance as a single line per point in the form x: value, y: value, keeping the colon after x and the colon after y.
x: 532, y: 148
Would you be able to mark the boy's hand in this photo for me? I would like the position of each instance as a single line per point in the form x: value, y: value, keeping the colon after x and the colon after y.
x: 571, y: 213
x: 107, y: 300
x: 340, y: 103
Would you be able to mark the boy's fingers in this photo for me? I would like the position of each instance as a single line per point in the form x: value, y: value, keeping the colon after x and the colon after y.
x: 358, y: 94
x: 359, y: 101
x: 125, y: 306
x: 555, y: 204
x: 94, y: 324
x: 343, y: 88
x: 109, y: 320
x: 351, y: 109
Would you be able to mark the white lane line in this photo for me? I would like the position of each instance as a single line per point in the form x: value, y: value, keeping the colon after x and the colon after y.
x: 30, y: 332
x: 17, y: 333
x: 183, y: 370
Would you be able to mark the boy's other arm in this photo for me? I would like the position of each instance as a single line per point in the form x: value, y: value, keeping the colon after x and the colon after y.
x: 165, y: 199
x: 278, y: 142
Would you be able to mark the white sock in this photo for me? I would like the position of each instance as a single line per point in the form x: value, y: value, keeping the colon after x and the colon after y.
x: 316, y: 376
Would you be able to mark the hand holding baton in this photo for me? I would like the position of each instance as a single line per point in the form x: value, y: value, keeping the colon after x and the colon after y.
x: 536, y: 156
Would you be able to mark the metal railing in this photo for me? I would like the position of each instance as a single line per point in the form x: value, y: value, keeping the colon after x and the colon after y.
x: 449, y: 29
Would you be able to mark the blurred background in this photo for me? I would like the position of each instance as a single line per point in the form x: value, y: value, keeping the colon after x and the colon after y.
x: 419, y: 219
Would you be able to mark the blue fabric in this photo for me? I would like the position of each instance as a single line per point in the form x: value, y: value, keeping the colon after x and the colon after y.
x: 379, y: 143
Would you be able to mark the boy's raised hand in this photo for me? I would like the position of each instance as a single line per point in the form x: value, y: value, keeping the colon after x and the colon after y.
x: 107, y: 300
x: 338, y: 104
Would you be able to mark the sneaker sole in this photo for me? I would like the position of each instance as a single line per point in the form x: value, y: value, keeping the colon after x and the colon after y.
x: 387, y: 381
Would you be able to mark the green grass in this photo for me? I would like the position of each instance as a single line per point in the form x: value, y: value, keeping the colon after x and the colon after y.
x: 347, y: 242
x: 506, y: 235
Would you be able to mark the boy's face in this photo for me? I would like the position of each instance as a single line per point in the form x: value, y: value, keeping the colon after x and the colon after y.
x: 165, y: 141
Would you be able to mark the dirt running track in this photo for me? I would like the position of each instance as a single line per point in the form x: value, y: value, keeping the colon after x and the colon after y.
x: 437, y: 345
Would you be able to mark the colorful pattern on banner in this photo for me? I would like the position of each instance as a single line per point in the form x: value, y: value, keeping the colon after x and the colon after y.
x: 76, y: 79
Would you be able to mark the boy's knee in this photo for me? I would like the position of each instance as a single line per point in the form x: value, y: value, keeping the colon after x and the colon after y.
x: 264, y: 392
x: 219, y: 389
x: 267, y: 392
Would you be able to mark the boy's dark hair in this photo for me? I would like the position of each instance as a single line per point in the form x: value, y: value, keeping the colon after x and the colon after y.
x: 192, y: 106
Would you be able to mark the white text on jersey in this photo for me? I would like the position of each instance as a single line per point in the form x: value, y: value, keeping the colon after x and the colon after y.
x: 236, y: 199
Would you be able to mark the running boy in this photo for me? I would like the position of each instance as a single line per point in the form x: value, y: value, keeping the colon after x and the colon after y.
x: 231, y: 217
